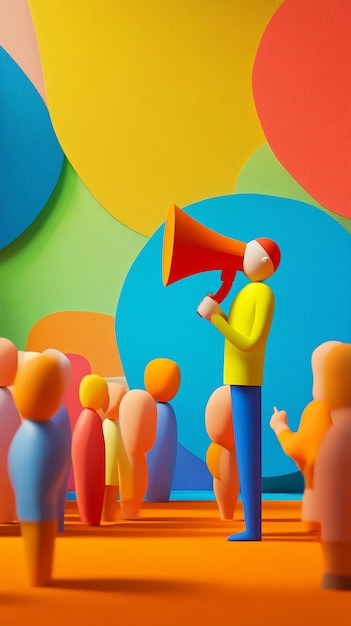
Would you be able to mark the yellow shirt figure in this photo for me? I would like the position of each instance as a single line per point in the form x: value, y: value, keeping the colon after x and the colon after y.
x: 245, y: 331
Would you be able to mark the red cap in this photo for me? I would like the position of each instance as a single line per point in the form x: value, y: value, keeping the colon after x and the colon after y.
x: 272, y: 250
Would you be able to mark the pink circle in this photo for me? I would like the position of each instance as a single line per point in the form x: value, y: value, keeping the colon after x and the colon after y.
x: 302, y: 91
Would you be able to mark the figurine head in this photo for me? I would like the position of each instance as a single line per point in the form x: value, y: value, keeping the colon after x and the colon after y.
x: 261, y: 259
x: 162, y: 379
x: 64, y: 363
x: 337, y: 377
x: 318, y: 359
x: 38, y: 388
x: 26, y: 355
x: 8, y: 362
x: 115, y: 393
x: 93, y: 392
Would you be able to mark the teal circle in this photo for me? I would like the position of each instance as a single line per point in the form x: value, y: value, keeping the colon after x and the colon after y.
x: 312, y: 292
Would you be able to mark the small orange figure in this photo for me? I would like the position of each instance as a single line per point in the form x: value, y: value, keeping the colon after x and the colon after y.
x: 303, y: 446
x: 162, y: 380
x: 138, y: 421
x: 38, y: 459
x: 332, y: 475
x: 221, y: 454
x: 88, y: 449
x: 118, y: 475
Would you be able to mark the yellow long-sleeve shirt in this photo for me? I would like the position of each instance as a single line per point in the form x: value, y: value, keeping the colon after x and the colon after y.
x: 246, y: 330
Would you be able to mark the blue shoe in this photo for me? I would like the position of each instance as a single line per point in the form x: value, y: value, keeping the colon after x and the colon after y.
x: 246, y: 535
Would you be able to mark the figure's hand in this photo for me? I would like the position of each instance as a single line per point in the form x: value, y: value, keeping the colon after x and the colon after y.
x: 208, y: 307
x: 279, y: 421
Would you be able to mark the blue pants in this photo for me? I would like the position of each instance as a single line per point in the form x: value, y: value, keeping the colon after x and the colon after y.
x: 246, y: 408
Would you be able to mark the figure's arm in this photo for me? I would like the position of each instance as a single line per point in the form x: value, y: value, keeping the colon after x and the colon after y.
x: 213, y: 459
x: 289, y: 441
x: 279, y: 421
x: 263, y: 305
x: 221, y: 463
x: 209, y: 307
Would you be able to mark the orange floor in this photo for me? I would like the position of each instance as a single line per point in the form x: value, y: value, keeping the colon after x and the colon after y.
x: 174, y: 567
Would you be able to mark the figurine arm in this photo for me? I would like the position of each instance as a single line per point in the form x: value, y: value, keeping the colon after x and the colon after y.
x: 213, y: 459
x: 263, y: 306
x: 209, y: 307
x: 289, y: 441
x: 279, y: 421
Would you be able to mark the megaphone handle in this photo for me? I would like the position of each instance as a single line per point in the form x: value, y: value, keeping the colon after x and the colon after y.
x: 227, y: 277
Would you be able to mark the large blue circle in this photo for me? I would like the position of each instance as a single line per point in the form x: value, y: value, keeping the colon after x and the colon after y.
x: 312, y: 290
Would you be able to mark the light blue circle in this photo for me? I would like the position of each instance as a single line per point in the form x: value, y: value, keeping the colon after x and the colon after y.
x: 312, y: 290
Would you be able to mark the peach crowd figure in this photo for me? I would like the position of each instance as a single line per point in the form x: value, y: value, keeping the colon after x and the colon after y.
x: 332, y: 475
x: 162, y: 381
x: 138, y: 422
x: 88, y: 449
x: 118, y: 473
x: 37, y: 461
x: 303, y: 446
x: 10, y: 421
x: 221, y: 454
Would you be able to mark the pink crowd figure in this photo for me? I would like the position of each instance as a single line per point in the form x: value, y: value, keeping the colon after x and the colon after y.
x: 221, y: 454
x: 138, y: 421
x: 88, y: 449
x: 10, y: 421
x: 303, y: 445
x: 332, y: 474
x: 118, y: 475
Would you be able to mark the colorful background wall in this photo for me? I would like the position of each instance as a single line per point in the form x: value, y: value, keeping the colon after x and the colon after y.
x: 236, y: 111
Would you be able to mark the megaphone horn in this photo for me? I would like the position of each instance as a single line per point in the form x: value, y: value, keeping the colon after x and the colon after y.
x: 190, y: 248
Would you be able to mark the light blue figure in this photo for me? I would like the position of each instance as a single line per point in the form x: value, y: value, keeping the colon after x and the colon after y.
x: 37, y: 461
x: 162, y: 380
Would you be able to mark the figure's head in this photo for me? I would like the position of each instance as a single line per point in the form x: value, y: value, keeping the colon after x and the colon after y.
x: 318, y: 365
x: 38, y: 388
x: 115, y: 394
x: 93, y: 392
x: 162, y: 379
x: 261, y: 259
x: 337, y: 377
x: 8, y: 362
x: 64, y: 363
